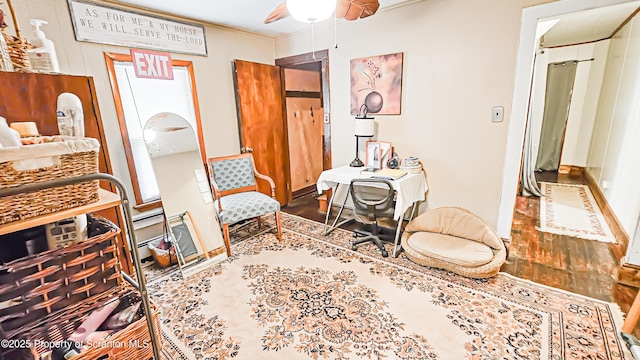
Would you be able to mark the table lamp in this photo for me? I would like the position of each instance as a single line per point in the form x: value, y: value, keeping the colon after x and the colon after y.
x: 364, y: 126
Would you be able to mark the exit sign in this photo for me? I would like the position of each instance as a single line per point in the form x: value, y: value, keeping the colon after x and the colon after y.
x: 152, y: 64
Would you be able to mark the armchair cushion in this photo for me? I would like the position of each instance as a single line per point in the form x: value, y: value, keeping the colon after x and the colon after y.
x: 245, y: 205
x: 453, y: 249
x: 232, y: 174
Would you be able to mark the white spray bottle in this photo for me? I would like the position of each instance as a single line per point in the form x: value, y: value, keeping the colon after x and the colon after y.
x: 43, y: 57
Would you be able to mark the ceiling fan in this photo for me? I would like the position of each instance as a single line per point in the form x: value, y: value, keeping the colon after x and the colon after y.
x: 318, y: 10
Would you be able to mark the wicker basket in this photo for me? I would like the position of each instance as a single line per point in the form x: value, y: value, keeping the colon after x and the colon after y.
x: 56, y: 157
x: 17, y: 45
x: 163, y: 258
x: 59, y: 288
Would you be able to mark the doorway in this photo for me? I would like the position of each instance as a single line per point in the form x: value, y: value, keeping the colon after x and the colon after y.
x: 306, y: 84
x: 296, y: 93
x: 527, y: 48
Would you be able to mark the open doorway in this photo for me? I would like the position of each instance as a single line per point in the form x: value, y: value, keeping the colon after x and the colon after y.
x: 599, y: 122
x: 306, y: 100
x: 283, y: 118
x: 583, y: 87
x: 579, y: 142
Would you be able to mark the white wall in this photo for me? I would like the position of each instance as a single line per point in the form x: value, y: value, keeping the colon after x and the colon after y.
x: 582, y: 111
x: 213, y: 74
x: 458, y: 63
x: 614, y: 156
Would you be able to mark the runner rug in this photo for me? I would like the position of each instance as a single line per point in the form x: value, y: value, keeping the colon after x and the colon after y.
x: 311, y: 297
x: 570, y: 209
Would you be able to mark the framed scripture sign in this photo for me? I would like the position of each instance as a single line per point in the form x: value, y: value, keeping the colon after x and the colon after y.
x: 102, y: 24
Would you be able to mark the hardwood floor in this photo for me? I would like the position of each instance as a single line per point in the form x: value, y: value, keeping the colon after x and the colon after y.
x: 580, y: 266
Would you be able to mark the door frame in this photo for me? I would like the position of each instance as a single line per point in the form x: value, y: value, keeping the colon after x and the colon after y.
x: 294, y: 62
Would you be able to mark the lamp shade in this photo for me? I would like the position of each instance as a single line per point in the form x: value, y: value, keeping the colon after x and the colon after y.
x: 364, y: 127
x: 311, y: 10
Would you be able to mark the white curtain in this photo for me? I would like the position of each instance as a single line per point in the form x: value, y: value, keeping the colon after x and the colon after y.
x: 528, y: 184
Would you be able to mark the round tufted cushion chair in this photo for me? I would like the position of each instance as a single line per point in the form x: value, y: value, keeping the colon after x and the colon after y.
x: 454, y: 239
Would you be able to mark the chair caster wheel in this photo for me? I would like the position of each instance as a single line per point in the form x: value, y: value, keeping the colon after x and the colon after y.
x: 354, y: 248
x: 385, y: 253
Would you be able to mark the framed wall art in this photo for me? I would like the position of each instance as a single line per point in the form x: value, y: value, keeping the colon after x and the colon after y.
x: 376, y: 82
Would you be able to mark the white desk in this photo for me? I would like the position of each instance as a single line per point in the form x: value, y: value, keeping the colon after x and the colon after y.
x: 410, y: 189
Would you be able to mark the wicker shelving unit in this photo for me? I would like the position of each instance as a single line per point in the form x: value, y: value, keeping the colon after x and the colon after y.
x: 107, y: 200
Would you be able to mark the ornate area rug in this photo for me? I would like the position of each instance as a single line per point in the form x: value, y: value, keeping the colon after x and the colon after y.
x: 569, y: 209
x: 311, y: 297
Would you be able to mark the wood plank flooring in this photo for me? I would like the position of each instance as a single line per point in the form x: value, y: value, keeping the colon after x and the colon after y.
x: 581, y: 266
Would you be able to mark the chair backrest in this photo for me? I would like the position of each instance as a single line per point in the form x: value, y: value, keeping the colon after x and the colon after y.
x: 372, y: 197
x: 233, y: 173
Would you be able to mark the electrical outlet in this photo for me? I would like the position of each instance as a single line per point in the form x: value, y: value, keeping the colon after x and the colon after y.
x: 497, y: 114
x: 605, y: 184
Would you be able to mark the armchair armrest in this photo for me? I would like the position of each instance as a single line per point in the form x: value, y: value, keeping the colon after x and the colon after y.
x: 269, y: 180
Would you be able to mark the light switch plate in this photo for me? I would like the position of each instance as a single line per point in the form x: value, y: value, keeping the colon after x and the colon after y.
x: 497, y: 114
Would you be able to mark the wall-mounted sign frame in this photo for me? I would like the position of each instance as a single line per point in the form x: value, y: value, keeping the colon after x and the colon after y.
x: 103, y: 24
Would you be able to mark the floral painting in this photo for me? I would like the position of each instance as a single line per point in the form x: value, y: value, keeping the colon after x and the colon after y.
x: 376, y: 82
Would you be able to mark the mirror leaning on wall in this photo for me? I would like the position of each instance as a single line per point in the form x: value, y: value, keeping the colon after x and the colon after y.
x: 190, y: 220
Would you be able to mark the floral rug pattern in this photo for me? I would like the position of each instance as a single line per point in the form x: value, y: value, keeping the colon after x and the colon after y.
x: 310, y: 296
x: 327, y: 313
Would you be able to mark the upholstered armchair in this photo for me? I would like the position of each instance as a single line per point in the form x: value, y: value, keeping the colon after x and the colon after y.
x: 235, y: 190
x: 454, y: 239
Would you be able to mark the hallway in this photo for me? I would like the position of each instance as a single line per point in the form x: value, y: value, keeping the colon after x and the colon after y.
x: 581, y: 266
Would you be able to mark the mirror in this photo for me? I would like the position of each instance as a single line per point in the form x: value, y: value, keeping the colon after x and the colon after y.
x: 184, y: 190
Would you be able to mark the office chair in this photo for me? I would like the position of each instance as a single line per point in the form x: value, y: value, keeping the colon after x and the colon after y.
x: 372, y: 198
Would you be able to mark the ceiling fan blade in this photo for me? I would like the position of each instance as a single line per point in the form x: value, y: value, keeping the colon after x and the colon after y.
x: 356, y: 9
x: 279, y: 13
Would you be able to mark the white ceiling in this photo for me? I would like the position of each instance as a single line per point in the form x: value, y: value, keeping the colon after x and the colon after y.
x: 585, y: 26
x: 240, y: 14
x: 589, y: 25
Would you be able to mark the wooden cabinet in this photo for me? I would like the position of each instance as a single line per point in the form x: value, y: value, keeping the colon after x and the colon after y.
x: 33, y: 97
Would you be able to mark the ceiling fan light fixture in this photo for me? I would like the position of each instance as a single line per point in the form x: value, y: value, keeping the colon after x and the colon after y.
x: 310, y: 11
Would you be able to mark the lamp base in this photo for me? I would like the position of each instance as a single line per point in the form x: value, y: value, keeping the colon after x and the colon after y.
x: 356, y: 163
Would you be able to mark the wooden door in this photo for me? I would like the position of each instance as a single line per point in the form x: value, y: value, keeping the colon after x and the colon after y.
x: 262, y: 123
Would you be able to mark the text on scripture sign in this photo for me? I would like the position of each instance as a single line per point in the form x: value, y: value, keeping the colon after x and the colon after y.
x: 107, y: 25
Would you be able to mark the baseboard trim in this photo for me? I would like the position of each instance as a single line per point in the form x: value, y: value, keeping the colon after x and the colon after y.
x: 622, y: 238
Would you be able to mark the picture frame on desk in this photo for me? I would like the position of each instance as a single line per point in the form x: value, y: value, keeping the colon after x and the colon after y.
x: 378, y: 153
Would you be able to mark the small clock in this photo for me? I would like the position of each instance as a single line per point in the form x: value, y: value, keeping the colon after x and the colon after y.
x: 394, y: 161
